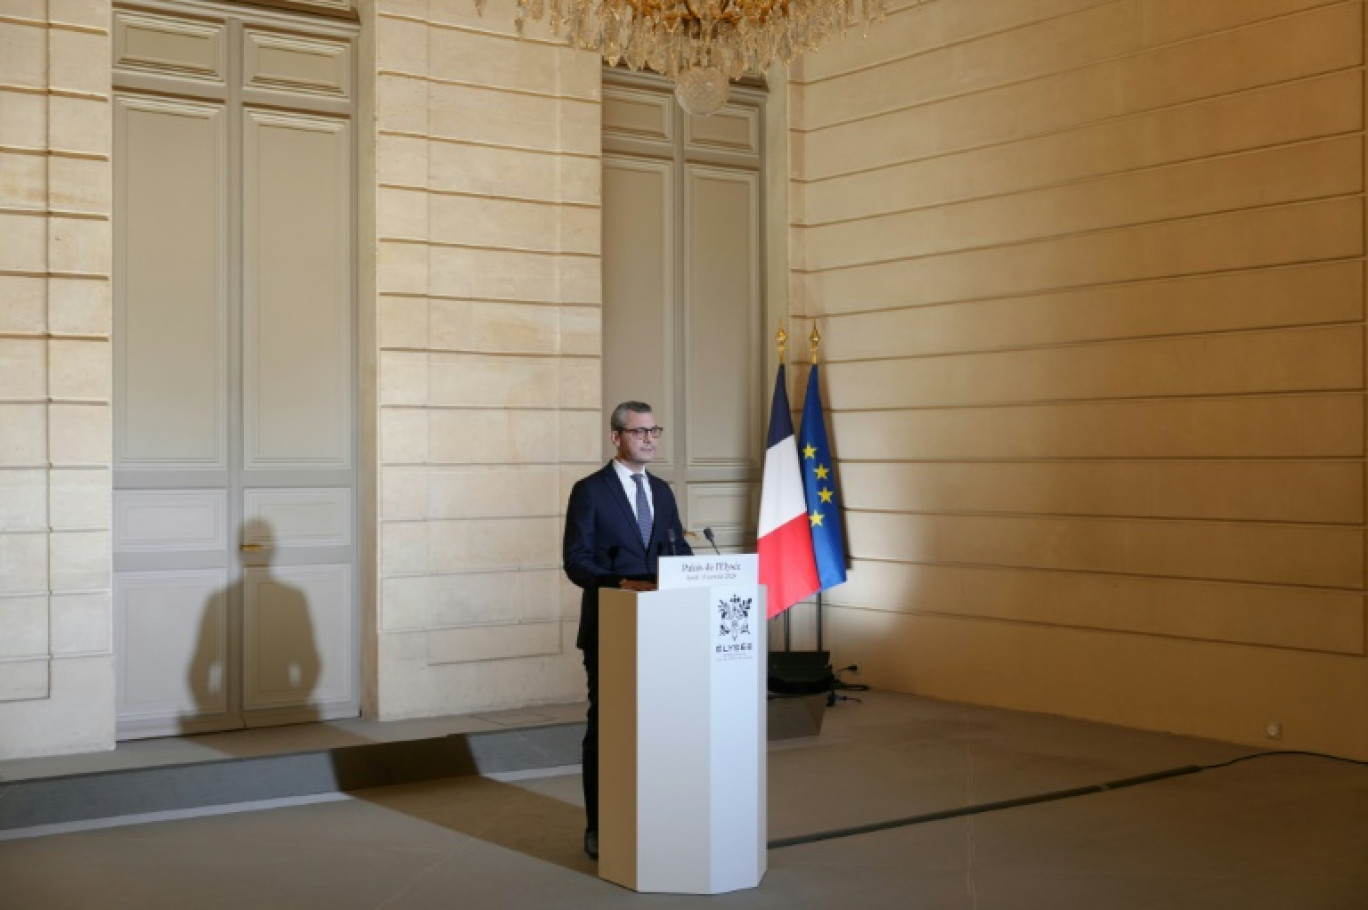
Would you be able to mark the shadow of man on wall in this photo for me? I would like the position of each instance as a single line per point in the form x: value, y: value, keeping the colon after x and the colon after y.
x: 256, y: 650
x: 257, y: 660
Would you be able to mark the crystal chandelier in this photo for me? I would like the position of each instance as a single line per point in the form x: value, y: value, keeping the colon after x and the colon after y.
x: 700, y: 44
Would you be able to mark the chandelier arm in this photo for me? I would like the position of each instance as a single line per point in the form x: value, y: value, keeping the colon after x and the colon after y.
x: 687, y: 13
x: 700, y: 44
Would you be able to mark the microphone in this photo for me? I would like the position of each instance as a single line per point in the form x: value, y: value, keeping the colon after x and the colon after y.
x: 707, y: 532
x: 612, y: 558
x: 670, y: 540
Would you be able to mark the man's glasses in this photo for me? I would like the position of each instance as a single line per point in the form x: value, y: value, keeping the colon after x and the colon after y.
x: 642, y: 432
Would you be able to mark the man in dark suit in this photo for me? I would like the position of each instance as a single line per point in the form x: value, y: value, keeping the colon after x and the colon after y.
x: 619, y: 522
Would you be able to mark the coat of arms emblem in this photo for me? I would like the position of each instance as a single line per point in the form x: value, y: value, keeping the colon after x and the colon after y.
x: 735, y: 615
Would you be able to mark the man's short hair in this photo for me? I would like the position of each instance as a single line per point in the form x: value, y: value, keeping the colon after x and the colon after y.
x: 619, y: 418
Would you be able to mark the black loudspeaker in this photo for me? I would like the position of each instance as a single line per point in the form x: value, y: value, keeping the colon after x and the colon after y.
x: 801, y: 673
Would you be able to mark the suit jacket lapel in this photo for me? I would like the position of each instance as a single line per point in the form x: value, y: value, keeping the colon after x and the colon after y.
x: 658, y: 503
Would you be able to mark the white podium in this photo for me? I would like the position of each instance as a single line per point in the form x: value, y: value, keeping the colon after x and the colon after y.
x: 682, y: 739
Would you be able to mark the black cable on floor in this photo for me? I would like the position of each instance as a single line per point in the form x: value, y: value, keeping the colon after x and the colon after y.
x: 1300, y: 752
x: 982, y: 808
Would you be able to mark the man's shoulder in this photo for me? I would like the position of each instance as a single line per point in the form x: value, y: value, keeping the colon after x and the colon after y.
x: 596, y: 476
x: 659, y: 486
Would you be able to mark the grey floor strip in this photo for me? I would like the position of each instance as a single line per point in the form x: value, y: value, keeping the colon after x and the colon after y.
x: 37, y: 802
x: 144, y: 818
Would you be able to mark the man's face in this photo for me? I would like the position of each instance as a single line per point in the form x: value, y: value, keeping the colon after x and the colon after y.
x: 635, y: 449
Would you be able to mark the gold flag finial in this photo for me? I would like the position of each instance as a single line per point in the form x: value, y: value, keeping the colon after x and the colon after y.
x: 815, y: 340
x: 781, y: 339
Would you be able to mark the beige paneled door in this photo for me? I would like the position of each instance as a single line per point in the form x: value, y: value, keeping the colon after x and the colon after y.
x: 683, y: 304
x: 234, y: 431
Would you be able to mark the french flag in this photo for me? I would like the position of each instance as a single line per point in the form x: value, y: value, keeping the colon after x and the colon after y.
x: 787, y: 566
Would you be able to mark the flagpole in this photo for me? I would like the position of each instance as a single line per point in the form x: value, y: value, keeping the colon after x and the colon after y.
x: 815, y: 341
x: 781, y: 339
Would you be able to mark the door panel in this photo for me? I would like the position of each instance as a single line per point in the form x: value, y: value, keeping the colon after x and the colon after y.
x: 296, y: 262
x: 683, y: 294
x: 639, y: 287
x: 234, y: 541
x: 295, y: 64
x: 721, y: 311
x: 173, y: 639
x: 189, y: 48
x: 295, y: 630
x: 171, y: 344
x: 301, y: 517
x: 165, y: 521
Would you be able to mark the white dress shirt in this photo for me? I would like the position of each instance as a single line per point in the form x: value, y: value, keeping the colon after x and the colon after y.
x: 624, y: 474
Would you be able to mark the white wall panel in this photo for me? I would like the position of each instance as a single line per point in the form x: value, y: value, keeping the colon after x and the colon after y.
x: 170, y: 278
x: 633, y: 114
x: 171, y: 637
x: 732, y: 129
x: 298, y: 517
x: 166, y: 45
x: 290, y: 63
x: 299, y: 636
x: 297, y: 341
x: 728, y: 508
x: 170, y: 520
x: 722, y: 315
x: 638, y: 286
x: 331, y: 6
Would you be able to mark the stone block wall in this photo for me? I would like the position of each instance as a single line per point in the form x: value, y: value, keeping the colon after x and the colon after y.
x: 488, y: 330
x: 1090, y: 281
x: 56, y: 635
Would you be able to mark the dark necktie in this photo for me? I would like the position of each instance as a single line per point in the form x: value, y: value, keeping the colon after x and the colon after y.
x: 643, y: 508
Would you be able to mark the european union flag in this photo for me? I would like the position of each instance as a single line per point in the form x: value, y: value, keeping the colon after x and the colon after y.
x: 819, y: 486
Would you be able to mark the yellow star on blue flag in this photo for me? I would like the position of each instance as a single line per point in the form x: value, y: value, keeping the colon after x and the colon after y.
x: 819, y: 486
